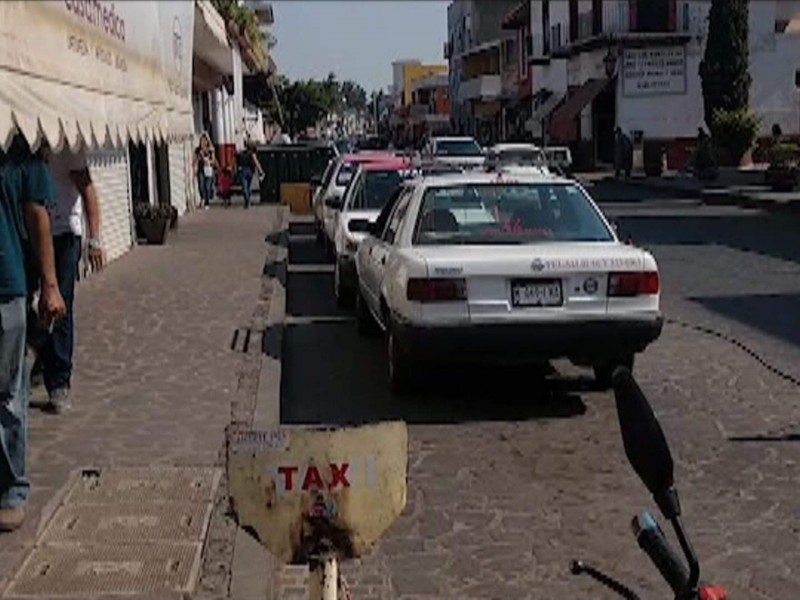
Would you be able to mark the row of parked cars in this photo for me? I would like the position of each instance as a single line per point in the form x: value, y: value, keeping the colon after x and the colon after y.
x: 486, y: 258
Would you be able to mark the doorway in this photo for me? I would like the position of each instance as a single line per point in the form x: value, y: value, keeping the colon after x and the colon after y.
x: 604, y: 117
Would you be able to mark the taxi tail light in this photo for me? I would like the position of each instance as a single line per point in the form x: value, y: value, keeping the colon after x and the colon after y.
x: 633, y: 283
x: 436, y: 290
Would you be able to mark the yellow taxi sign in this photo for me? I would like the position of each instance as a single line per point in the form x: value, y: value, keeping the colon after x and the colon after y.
x: 299, y: 489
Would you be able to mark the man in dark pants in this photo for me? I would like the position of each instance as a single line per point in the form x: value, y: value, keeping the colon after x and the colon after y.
x: 75, y: 196
x: 25, y: 186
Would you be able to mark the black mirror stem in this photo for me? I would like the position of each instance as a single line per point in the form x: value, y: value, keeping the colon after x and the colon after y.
x: 690, y: 593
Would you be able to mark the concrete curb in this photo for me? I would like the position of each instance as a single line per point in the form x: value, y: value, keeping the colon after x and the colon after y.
x: 722, y: 197
x: 253, y: 569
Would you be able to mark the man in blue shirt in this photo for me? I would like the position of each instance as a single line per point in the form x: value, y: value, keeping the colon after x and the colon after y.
x: 25, y: 186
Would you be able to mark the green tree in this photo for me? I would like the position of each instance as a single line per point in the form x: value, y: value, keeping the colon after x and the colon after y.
x: 724, y: 70
x: 355, y: 96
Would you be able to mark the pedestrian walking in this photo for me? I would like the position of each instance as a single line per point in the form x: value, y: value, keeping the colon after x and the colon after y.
x: 205, y: 165
x: 247, y: 161
x: 76, y: 196
x: 25, y: 186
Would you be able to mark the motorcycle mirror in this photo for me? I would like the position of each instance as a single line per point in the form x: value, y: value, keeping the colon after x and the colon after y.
x: 645, y: 445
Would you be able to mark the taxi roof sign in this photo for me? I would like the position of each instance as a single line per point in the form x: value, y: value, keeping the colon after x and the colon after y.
x: 300, y: 491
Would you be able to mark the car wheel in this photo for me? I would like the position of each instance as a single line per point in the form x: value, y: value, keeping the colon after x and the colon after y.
x: 604, y: 371
x: 364, y: 321
x: 399, y: 364
x: 330, y: 254
x: 343, y: 295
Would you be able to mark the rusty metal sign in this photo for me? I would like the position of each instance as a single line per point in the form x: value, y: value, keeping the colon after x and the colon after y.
x: 305, y: 491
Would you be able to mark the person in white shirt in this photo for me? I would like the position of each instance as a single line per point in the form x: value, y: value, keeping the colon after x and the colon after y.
x: 76, y: 195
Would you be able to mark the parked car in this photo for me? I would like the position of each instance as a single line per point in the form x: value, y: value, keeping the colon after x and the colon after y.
x: 461, y: 151
x: 370, y: 189
x: 517, y: 158
x: 473, y: 267
x: 559, y: 159
x: 332, y: 188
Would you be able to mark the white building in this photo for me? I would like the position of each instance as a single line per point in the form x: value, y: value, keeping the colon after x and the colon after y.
x: 598, y: 64
x: 113, y: 78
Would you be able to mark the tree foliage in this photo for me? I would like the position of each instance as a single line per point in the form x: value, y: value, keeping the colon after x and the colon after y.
x: 724, y: 70
x: 305, y: 102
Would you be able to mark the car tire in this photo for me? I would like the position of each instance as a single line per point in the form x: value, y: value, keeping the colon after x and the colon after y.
x: 344, y: 296
x: 364, y: 321
x: 330, y: 254
x: 603, y: 372
x: 398, y: 364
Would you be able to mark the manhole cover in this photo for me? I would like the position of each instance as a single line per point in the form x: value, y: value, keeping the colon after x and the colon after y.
x: 84, y: 570
x: 124, y: 523
x: 144, y: 486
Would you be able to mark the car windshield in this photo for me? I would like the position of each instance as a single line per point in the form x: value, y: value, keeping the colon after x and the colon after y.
x: 557, y: 155
x: 508, y: 214
x: 458, y: 148
x: 345, y: 174
x: 522, y: 157
x: 374, y: 189
x: 343, y: 146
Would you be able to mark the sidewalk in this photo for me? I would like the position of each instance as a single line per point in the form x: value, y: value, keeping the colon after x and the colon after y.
x: 155, y: 373
x: 742, y: 189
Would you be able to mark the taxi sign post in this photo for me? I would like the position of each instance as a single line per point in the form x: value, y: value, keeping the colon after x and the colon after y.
x: 318, y: 496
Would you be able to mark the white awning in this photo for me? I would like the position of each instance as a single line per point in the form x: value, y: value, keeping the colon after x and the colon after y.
x: 98, y: 70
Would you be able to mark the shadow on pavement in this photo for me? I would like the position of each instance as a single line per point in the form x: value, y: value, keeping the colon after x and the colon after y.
x: 311, y: 295
x: 331, y: 375
x: 771, y: 235
x: 306, y: 253
x: 777, y: 315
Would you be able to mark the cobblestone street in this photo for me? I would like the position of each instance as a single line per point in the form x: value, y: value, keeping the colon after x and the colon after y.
x: 155, y: 374
x: 510, y: 478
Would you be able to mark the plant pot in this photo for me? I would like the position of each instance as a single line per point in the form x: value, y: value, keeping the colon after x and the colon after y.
x: 781, y: 179
x: 153, y: 230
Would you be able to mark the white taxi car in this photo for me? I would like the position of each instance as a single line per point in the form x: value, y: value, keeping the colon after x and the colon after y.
x: 489, y: 267
x: 370, y: 189
x: 520, y: 159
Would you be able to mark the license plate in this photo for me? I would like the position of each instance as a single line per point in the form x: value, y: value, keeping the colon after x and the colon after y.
x: 536, y: 293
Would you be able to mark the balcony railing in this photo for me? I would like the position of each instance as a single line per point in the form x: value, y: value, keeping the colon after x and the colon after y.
x: 483, y: 86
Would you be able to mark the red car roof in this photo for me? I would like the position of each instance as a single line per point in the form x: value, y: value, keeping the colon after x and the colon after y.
x: 366, y: 157
x: 395, y: 163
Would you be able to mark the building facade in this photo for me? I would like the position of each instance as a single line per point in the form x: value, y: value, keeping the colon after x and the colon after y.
x: 634, y: 64
x: 482, y: 60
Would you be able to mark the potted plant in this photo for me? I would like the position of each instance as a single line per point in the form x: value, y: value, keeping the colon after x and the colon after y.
x: 734, y: 132
x: 704, y: 160
x: 653, y: 152
x: 782, y: 173
x: 151, y: 222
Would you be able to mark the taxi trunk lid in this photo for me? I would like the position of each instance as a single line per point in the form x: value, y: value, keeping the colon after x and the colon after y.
x: 533, y: 281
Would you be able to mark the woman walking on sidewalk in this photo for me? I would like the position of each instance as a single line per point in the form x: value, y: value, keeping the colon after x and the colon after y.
x: 205, y: 165
x: 247, y: 161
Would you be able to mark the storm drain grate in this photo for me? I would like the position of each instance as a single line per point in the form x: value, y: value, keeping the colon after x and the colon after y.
x: 127, y: 523
x: 241, y: 339
x: 85, y: 570
x: 144, y: 486
x: 122, y: 531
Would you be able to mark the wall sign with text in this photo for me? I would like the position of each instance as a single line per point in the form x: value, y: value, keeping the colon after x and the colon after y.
x: 650, y: 71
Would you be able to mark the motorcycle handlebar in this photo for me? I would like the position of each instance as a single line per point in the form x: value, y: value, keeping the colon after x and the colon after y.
x: 653, y: 542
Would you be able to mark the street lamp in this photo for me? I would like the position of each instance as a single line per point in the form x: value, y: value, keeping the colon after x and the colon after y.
x: 610, y: 63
